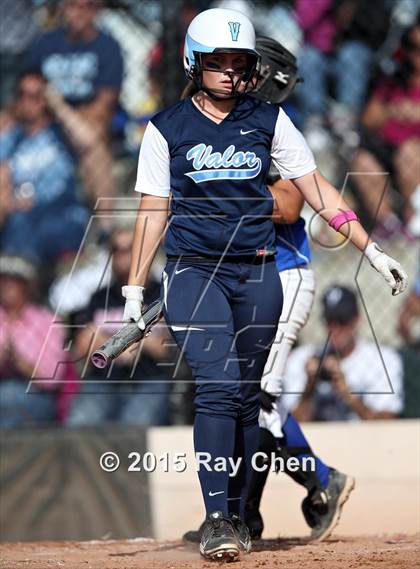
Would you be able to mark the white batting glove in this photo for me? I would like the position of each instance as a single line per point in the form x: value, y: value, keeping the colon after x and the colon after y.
x: 389, y: 268
x: 133, y: 304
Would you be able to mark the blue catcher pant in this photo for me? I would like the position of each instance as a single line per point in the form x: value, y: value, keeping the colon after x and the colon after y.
x: 224, y: 317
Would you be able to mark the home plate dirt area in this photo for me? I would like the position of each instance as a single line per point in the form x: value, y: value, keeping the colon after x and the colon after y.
x: 384, y: 552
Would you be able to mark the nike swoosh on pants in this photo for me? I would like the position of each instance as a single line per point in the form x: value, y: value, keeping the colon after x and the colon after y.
x: 179, y: 328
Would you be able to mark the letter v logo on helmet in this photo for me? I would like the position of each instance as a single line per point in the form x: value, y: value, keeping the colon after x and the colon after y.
x: 234, y: 30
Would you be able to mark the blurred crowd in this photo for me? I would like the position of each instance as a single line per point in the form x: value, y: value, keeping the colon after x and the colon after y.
x: 79, y: 80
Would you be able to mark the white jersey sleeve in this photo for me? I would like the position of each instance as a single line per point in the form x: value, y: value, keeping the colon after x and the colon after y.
x: 153, y: 175
x: 289, y: 150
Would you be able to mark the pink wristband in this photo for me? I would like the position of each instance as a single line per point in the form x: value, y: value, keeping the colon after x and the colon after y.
x: 341, y: 218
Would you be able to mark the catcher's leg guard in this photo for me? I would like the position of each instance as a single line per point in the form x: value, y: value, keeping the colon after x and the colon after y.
x: 314, y: 505
x: 271, y: 446
x: 304, y: 477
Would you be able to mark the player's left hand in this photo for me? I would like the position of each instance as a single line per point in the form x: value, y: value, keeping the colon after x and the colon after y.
x: 388, y: 267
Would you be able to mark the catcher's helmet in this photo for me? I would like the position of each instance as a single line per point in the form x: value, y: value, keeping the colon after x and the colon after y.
x: 219, y: 30
x: 278, y: 71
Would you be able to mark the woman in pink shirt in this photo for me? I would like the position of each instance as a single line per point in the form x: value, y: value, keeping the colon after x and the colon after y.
x: 392, y: 142
x: 335, y: 61
x: 31, y: 348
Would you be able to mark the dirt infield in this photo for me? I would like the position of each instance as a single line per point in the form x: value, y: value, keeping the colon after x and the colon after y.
x: 388, y: 552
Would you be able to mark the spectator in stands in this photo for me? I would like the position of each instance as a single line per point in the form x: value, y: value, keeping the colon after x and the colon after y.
x: 136, y: 389
x: 30, y: 348
x: 40, y: 208
x: 348, y: 378
x: 85, y: 66
x: 340, y: 37
x: 392, y: 143
x: 83, y: 63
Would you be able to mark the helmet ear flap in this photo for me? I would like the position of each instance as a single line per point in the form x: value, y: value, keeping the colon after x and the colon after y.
x: 196, y: 70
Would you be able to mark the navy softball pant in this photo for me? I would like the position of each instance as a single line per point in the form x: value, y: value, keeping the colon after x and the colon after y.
x: 224, y: 317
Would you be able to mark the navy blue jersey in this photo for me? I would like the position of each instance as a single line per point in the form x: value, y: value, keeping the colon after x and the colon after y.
x: 216, y: 174
x: 292, y: 245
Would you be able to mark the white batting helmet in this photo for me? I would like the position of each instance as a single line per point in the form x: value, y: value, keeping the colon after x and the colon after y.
x: 219, y: 30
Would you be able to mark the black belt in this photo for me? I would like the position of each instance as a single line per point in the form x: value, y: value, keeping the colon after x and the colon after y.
x: 258, y: 258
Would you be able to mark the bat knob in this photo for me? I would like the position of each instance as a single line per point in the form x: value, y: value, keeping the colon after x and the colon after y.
x: 99, y: 359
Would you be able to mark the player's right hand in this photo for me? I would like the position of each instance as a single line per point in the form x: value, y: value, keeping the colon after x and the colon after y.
x: 133, y: 295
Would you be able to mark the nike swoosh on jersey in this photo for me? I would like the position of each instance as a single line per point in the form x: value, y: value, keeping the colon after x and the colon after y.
x: 248, y: 131
x: 181, y: 270
x: 216, y: 493
x: 179, y: 328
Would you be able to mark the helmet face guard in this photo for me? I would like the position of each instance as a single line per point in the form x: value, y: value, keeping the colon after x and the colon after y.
x: 247, y: 78
x: 278, y: 72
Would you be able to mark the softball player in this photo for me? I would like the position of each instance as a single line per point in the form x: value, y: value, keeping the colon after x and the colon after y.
x: 280, y: 433
x: 221, y: 290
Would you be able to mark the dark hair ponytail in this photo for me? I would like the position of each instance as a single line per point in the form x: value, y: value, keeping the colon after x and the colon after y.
x: 189, y: 90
